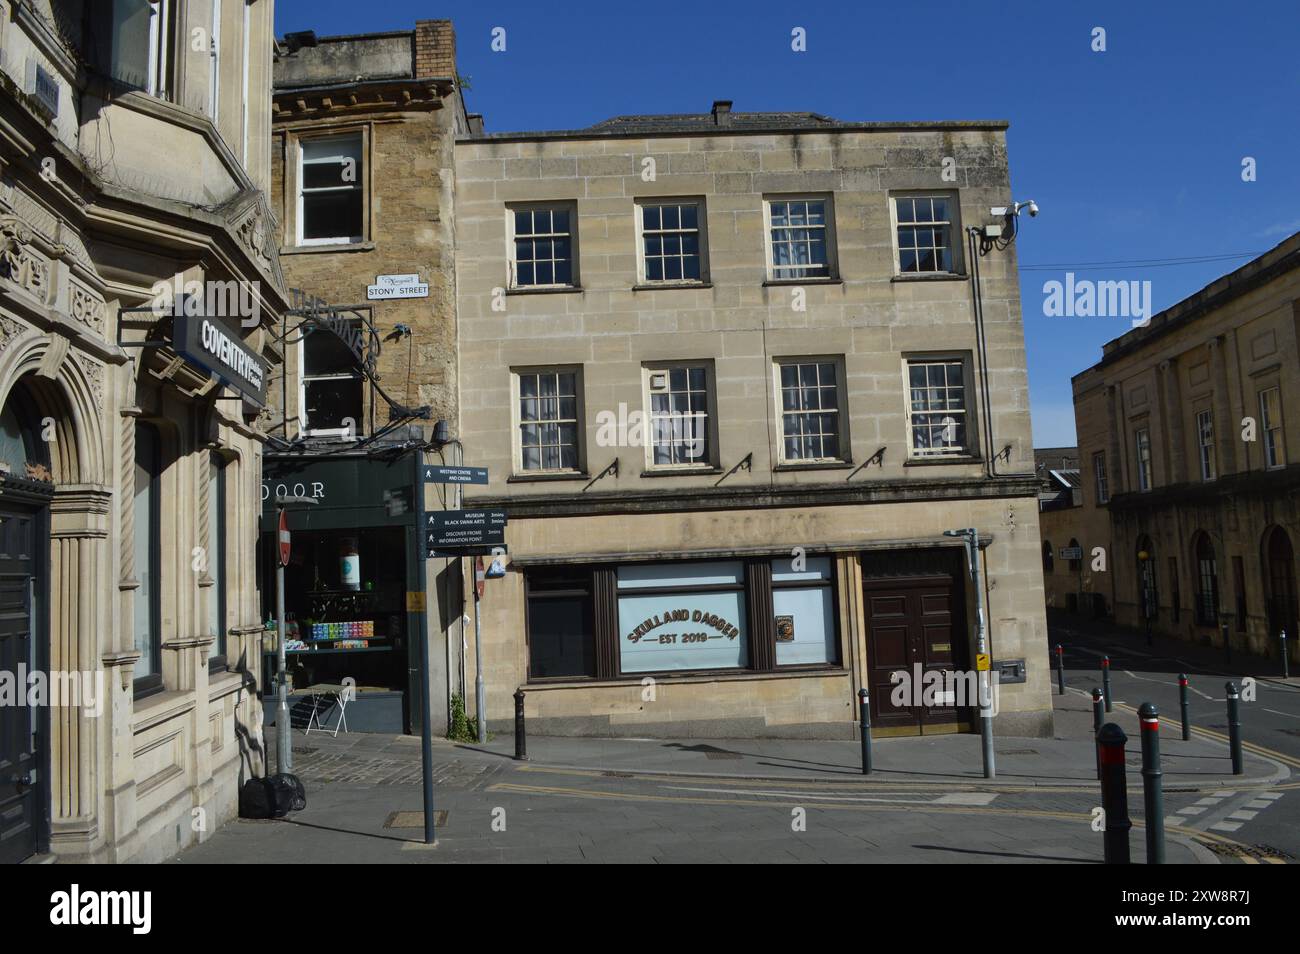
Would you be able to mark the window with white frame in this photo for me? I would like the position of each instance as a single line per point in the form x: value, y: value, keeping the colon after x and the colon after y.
x: 1205, y: 442
x: 679, y: 415
x: 331, y: 191
x: 132, y: 42
x: 811, y: 419
x: 672, y: 241
x: 542, y: 246
x: 801, y: 238
x: 332, y: 386
x: 1099, y: 473
x: 1270, y: 423
x: 925, y: 230
x: 937, y: 408
x: 548, y: 420
x: 1142, y: 444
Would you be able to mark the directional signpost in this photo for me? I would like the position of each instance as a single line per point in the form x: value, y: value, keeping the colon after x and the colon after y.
x: 464, y: 530
x: 454, y: 475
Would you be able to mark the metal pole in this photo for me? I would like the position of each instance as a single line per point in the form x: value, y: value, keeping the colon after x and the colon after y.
x: 426, y: 680
x: 1098, y: 717
x: 283, y: 742
x: 1153, y: 796
x: 864, y: 726
x: 1286, y: 664
x: 981, y: 643
x: 1234, y: 728
x: 1060, y: 670
x: 480, y: 703
x: 1114, y: 794
x: 521, y: 738
x: 1182, y: 707
x: 1105, y: 680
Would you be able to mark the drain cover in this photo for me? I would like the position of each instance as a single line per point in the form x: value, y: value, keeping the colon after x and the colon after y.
x: 617, y: 774
x: 1017, y: 751
x: 414, y: 819
x: 303, y: 751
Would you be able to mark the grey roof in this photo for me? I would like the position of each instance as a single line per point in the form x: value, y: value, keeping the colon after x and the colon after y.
x: 690, y: 122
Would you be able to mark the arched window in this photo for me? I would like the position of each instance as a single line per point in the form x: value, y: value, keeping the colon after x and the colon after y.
x: 1207, y: 580
x: 1279, y: 559
x: 1076, y: 565
x: 22, y: 452
x: 1048, y: 562
x: 1147, y: 593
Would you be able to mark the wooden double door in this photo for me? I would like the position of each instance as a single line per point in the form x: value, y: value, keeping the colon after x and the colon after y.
x: 917, y: 626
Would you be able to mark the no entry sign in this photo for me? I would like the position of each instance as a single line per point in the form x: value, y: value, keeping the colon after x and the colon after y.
x: 284, y: 538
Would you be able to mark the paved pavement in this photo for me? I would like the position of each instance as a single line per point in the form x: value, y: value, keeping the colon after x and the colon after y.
x: 769, y: 801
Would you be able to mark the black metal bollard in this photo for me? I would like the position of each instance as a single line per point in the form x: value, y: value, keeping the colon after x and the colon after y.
x: 864, y: 726
x: 1060, y: 669
x: 1227, y: 644
x: 1114, y: 793
x: 1153, y: 795
x: 1286, y: 663
x: 521, y: 739
x: 1098, y: 717
x: 1105, y: 680
x: 1234, y: 728
x: 1182, y: 706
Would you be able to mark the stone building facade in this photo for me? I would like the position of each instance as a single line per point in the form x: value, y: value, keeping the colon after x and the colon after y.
x: 362, y: 180
x: 725, y: 373
x: 133, y: 162
x: 1188, y: 433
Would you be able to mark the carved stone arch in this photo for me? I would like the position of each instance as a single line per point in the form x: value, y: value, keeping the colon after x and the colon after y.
x: 68, y: 391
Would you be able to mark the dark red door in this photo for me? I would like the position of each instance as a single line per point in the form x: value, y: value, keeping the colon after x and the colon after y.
x: 915, y: 627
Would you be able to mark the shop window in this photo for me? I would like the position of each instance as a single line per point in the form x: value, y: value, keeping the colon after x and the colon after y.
x: 132, y: 41
x: 681, y: 617
x: 937, y: 404
x: 803, y: 605
x: 542, y: 246
x: 332, y: 386
x: 812, y: 421
x: 331, y: 191
x: 679, y: 416
x: 672, y: 242
x: 148, y: 559
x: 548, y: 420
x: 216, y: 558
x: 561, y: 628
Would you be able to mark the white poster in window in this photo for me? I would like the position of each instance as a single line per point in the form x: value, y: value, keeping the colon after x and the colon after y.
x: 663, y: 632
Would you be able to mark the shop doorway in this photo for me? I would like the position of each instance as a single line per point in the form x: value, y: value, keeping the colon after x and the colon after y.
x: 917, y: 626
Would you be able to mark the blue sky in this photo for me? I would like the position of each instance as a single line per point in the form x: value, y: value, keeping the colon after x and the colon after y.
x: 1134, y: 154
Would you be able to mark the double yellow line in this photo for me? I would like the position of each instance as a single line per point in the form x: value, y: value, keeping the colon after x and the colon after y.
x: 1289, y: 761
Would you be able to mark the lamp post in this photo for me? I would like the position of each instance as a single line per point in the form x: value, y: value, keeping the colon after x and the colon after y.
x: 971, y: 537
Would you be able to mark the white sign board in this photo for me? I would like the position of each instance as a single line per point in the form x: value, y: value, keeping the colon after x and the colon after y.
x: 390, y: 287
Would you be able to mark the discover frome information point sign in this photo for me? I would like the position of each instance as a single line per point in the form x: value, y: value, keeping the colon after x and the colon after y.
x: 392, y: 287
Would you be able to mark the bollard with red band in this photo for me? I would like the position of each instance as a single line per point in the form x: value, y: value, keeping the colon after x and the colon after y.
x: 1182, y: 706
x: 1114, y: 793
x: 1153, y: 797
x: 1060, y: 669
x: 1105, y: 680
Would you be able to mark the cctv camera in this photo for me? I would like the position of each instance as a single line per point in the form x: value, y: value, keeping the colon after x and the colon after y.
x: 1032, y: 206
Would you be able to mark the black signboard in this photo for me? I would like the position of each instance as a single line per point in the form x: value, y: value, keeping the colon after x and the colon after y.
x: 454, y: 475
x: 452, y: 529
x: 218, y: 348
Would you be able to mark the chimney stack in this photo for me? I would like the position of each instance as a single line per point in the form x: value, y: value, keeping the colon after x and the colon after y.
x: 722, y: 112
x: 435, y: 49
